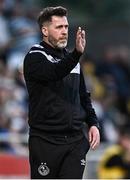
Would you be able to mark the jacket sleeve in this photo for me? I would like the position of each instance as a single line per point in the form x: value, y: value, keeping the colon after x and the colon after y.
x: 39, y: 68
x: 86, y: 103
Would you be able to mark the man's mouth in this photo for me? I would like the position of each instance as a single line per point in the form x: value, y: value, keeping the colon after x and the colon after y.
x: 64, y: 39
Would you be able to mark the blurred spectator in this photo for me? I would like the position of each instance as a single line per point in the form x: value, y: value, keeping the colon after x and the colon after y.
x: 115, y: 162
x: 13, y: 112
x: 115, y: 66
x: 113, y: 71
x: 5, y: 36
x: 4, y: 130
x: 24, y: 32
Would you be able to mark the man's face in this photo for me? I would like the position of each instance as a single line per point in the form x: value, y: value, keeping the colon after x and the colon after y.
x: 57, y: 32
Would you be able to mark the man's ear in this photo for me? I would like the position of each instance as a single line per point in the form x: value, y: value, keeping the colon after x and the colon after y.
x: 45, y: 31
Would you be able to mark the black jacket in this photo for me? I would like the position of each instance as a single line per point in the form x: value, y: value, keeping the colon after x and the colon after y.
x: 58, y: 100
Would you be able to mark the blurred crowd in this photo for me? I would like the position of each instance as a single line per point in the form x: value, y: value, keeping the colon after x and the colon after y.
x: 115, y: 161
x: 107, y: 78
x: 18, y: 32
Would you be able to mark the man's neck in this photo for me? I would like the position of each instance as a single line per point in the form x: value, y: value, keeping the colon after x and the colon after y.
x: 47, y: 42
x: 56, y: 51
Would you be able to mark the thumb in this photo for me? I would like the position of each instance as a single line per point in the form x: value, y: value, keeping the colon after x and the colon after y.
x: 79, y: 30
x: 78, y: 33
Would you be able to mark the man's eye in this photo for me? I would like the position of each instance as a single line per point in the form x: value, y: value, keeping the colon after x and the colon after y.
x: 59, y: 27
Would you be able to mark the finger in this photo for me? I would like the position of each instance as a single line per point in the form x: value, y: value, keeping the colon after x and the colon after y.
x: 83, y: 34
x: 79, y: 32
x: 95, y: 143
x: 79, y: 29
x: 95, y: 140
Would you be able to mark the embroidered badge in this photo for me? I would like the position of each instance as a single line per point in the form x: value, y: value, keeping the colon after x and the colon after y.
x: 43, y: 169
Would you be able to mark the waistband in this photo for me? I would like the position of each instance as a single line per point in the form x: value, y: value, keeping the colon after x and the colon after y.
x: 56, y: 134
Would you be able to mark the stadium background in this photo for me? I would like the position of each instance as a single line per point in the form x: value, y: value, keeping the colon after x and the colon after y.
x: 106, y: 66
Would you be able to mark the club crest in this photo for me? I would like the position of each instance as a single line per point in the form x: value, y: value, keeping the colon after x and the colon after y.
x: 43, y: 169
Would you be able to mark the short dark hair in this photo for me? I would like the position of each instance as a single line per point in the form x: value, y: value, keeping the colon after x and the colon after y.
x: 47, y: 13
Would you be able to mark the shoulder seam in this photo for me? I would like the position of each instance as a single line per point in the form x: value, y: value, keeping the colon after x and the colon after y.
x: 49, y: 57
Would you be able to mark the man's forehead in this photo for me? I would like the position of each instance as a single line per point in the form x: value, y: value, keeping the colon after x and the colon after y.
x: 59, y: 19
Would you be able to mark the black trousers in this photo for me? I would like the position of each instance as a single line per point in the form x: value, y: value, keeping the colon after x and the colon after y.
x: 57, y: 161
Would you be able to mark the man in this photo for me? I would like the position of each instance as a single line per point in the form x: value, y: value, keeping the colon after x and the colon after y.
x: 58, y: 101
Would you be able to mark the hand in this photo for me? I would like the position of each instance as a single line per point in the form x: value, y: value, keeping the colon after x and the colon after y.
x: 80, y: 40
x: 94, y: 137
